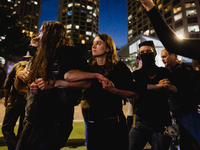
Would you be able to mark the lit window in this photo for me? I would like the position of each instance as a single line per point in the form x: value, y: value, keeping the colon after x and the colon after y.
x: 83, y: 41
x: 89, y: 16
x: 9, y: 0
x: 77, y: 4
x: 189, y: 5
x: 35, y: 2
x: 130, y: 31
x: 129, y: 17
x: 69, y: 13
x: 159, y: 6
x: 70, y: 4
x: 177, y: 17
x: 167, y: 8
x: 68, y: 31
x: 69, y: 26
x: 15, y: 5
x: 88, y: 33
x: 77, y: 26
x: 194, y: 28
x: 89, y: 20
x: 191, y: 12
x: 177, y: 9
x: 83, y: 6
x: 94, y: 35
x: 35, y: 27
x: 94, y: 14
x: 18, y: 1
x: 87, y: 38
x: 180, y: 33
x: 14, y: 12
x: 31, y: 32
x: 89, y: 7
x: 83, y: 11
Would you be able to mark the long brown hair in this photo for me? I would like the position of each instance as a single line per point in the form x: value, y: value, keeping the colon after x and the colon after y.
x: 54, y: 36
x: 111, y: 58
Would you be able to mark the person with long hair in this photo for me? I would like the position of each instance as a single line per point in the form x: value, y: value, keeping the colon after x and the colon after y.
x: 51, y: 114
x: 107, y: 127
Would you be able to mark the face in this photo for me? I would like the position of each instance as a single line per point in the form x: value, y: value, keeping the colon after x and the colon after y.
x: 99, y: 48
x: 34, y: 43
x: 166, y: 58
x: 145, y: 49
x: 40, y: 33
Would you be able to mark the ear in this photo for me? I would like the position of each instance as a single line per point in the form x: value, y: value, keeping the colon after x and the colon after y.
x: 107, y: 49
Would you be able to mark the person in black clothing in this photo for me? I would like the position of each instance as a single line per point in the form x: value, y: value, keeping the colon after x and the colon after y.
x: 107, y: 124
x: 51, y: 114
x: 152, y: 114
x: 183, y: 106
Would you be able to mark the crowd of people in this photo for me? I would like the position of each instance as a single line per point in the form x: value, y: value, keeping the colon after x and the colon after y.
x: 44, y: 90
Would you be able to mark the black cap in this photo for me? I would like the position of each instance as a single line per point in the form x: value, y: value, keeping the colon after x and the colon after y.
x: 149, y: 43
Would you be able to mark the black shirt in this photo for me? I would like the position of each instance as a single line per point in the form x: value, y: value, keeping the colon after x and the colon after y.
x: 153, y: 105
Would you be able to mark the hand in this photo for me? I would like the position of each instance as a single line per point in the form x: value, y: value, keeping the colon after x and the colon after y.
x: 108, y: 85
x: 101, y: 78
x: 41, y: 84
x: 25, y: 73
x: 148, y: 4
x: 165, y: 81
x: 33, y: 88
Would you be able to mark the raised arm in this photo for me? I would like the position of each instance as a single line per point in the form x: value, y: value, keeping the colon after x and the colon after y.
x: 185, y: 47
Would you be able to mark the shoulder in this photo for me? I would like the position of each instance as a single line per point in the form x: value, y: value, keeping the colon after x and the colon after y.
x: 69, y: 49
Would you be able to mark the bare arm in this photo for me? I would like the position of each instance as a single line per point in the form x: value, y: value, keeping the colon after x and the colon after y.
x: 109, y: 86
x: 78, y: 75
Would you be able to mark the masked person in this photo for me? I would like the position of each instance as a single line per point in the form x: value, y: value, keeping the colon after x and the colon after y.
x: 152, y: 114
x: 15, y: 99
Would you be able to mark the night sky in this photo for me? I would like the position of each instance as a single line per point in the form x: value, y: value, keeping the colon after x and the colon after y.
x: 112, y: 18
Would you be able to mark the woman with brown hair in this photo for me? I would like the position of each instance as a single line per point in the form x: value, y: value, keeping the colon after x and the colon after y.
x: 107, y: 124
x: 51, y: 114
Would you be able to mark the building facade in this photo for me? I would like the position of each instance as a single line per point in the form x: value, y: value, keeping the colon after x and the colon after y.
x: 28, y: 12
x: 81, y: 19
x: 181, y: 15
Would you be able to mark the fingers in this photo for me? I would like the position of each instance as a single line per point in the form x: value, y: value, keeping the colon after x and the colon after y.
x: 34, y: 88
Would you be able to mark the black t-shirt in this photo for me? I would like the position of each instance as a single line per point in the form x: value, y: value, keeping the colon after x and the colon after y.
x: 104, y: 104
x: 58, y: 102
x: 153, y: 105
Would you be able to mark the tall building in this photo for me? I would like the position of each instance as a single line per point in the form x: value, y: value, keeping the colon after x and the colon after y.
x: 81, y: 19
x: 28, y: 12
x: 181, y: 15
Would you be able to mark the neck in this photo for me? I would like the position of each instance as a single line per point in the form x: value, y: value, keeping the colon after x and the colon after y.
x: 101, y: 61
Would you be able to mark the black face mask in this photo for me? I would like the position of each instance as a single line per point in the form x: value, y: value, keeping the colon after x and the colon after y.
x: 148, y: 63
x: 32, y: 50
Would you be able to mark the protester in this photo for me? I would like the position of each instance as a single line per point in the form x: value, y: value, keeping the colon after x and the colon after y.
x: 152, y: 114
x: 183, y: 106
x: 107, y: 124
x: 51, y: 114
x: 185, y: 47
x: 14, y: 103
x: 2, y: 75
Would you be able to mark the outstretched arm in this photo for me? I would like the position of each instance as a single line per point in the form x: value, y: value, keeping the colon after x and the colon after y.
x: 172, y: 43
x: 78, y: 75
x: 110, y: 87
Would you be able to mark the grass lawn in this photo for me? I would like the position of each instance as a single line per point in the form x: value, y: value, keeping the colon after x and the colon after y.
x: 75, y: 141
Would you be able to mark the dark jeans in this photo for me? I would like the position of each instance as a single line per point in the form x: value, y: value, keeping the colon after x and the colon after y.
x: 108, y: 135
x: 144, y: 132
x: 13, y: 112
x: 189, y: 127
